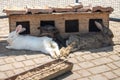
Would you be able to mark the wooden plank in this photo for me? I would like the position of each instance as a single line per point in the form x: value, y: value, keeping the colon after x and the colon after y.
x: 102, y: 9
x: 11, y: 11
x: 45, y: 72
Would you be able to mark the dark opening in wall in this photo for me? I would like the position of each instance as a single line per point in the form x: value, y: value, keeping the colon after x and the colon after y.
x: 25, y: 24
x: 71, y: 26
x: 46, y: 23
x: 92, y: 26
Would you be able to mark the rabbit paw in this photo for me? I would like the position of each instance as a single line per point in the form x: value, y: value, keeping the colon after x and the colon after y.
x: 58, y: 54
x: 8, y: 47
x: 53, y: 55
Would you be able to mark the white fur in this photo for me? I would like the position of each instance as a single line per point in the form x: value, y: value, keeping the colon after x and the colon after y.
x: 43, y: 44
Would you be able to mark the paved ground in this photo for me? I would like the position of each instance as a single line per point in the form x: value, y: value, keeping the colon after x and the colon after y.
x: 98, y: 64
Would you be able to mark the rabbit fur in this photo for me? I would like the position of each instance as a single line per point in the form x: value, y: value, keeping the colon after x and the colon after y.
x: 92, y: 40
x: 43, y: 44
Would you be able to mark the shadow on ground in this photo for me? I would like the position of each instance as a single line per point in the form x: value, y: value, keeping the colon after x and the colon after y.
x: 11, y: 52
x: 63, y: 76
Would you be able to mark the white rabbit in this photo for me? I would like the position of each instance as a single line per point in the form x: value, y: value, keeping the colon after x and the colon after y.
x: 43, y: 44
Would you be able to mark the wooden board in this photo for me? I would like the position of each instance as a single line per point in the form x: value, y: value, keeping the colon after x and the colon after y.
x: 15, y: 11
x: 44, y: 72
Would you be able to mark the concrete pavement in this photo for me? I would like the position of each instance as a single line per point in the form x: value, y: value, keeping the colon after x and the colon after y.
x: 97, y: 64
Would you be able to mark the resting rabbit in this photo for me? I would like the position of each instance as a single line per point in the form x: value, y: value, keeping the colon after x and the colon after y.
x: 43, y: 44
x: 92, y: 39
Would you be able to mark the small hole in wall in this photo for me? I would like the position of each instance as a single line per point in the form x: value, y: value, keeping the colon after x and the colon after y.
x: 92, y: 26
x: 25, y: 24
x: 71, y: 26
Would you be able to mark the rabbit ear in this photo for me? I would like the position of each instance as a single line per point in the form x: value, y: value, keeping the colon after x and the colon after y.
x: 23, y: 29
x: 99, y: 26
x: 18, y: 29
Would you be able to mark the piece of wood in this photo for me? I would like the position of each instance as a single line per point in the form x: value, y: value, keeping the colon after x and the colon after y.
x: 45, y: 72
x: 35, y: 10
x: 63, y: 9
x: 15, y: 11
x: 102, y: 9
x: 84, y: 9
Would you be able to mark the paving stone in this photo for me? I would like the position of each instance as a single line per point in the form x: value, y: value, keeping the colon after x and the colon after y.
x: 2, y: 62
x: 28, y: 62
x: 10, y: 73
x: 3, y: 76
x: 41, y: 55
x: 86, y: 64
x: 96, y: 55
x: 88, y: 57
x: 84, y: 73
x: 80, y: 59
x: 18, y: 64
x: 72, y: 77
x: 78, y: 53
x: 43, y: 60
x: 109, y: 75
x: 117, y: 63
x: 99, y: 69
x: 117, y: 48
x: 117, y: 72
x: 10, y: 60
x: 76, y: 67
x: 115, y: 57
x: 98, y: 77
x: 20, y: 58
x: 87, y: 52
x: 83, y: 79
x: 17, y: 71
x: 104, y: 54
x: 37, y: 60
x: 100, y: 61
x: 73, y: 60
x: 116, y: 78
x: 31, y: 56
x: 111, y: 65
x: 28, y: 67
x: 6, y: 67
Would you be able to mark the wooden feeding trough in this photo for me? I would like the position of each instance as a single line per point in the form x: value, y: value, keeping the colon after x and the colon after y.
x: 45, y: 72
